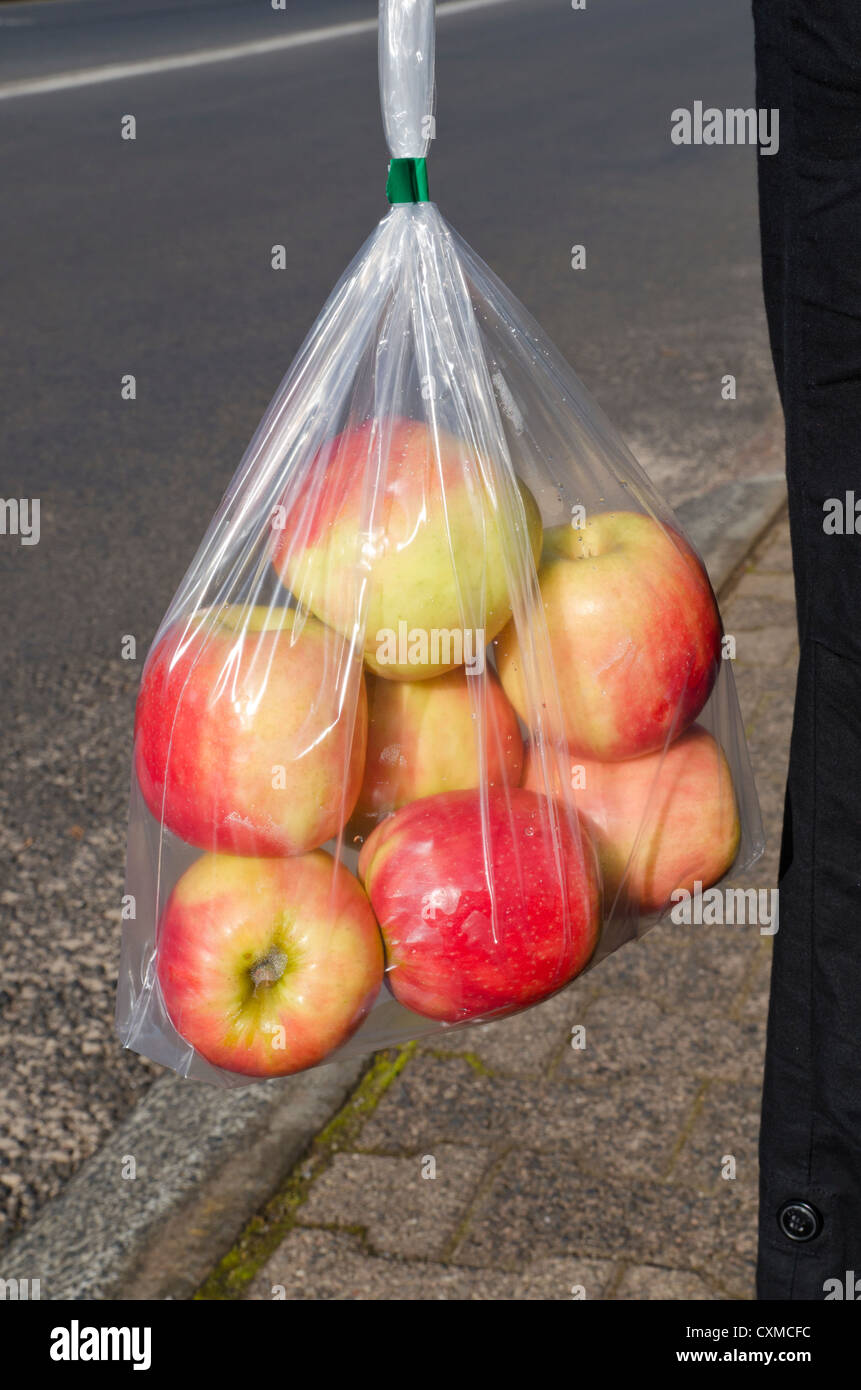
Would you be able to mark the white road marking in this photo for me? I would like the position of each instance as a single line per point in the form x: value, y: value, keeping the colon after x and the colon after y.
x: 116, y: 72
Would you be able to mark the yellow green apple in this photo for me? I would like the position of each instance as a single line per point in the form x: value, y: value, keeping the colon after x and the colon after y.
x: 397, y: 528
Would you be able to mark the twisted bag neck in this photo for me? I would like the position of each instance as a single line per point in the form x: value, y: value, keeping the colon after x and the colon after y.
x: 406, y: 64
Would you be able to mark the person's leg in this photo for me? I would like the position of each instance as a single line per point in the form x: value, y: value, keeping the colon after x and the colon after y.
x: 809, y: 65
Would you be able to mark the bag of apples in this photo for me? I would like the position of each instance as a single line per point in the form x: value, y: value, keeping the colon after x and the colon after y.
x: 437, y: 717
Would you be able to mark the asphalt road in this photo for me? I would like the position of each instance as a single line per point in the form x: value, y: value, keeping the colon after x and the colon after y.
x: 152, y: 257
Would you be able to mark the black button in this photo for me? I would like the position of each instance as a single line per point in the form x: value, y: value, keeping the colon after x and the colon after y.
x: 799, y: 1221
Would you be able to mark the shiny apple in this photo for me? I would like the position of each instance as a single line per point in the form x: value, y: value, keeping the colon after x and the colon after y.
x: 266, y: 966
x: 634, y: 635
x: 487, y: 902
x: 250, y: 731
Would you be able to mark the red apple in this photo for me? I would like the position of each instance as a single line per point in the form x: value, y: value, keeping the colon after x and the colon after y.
x: 426, y: 737
x: 407, y: 521
x: 634, y: 635
x: 659, y: 822
x: 267, y: 965
x: 250, y: 731
x: 461, y: 941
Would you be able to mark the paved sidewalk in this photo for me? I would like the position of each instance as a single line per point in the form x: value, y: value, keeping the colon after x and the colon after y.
x: 504, y: 1164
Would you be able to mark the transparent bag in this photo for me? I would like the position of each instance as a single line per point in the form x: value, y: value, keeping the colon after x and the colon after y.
x: 438, y: 716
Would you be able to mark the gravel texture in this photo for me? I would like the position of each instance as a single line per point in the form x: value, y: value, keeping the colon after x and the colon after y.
x: 64, y: 1080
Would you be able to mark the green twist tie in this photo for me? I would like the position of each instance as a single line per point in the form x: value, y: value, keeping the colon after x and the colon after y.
x: 407, y: 181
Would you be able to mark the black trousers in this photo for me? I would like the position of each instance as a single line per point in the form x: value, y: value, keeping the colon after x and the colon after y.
x: 809, y: 67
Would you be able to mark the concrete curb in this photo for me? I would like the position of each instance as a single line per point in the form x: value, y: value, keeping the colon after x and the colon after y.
x: 206, y: 1160
x: 726, y: 524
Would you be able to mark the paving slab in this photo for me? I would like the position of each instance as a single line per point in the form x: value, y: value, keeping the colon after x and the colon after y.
x: 410, y: 1206
x: 334, y: 1265
x: 542, y: 1204
x: 720, y: 1146
x: 650, y: 1283
x: 610, y: 1126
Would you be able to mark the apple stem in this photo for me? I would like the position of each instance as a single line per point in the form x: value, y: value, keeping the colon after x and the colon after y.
x: 269, y: 969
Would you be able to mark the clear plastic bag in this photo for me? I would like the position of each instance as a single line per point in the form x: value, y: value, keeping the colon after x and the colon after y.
x: 438, y: 716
